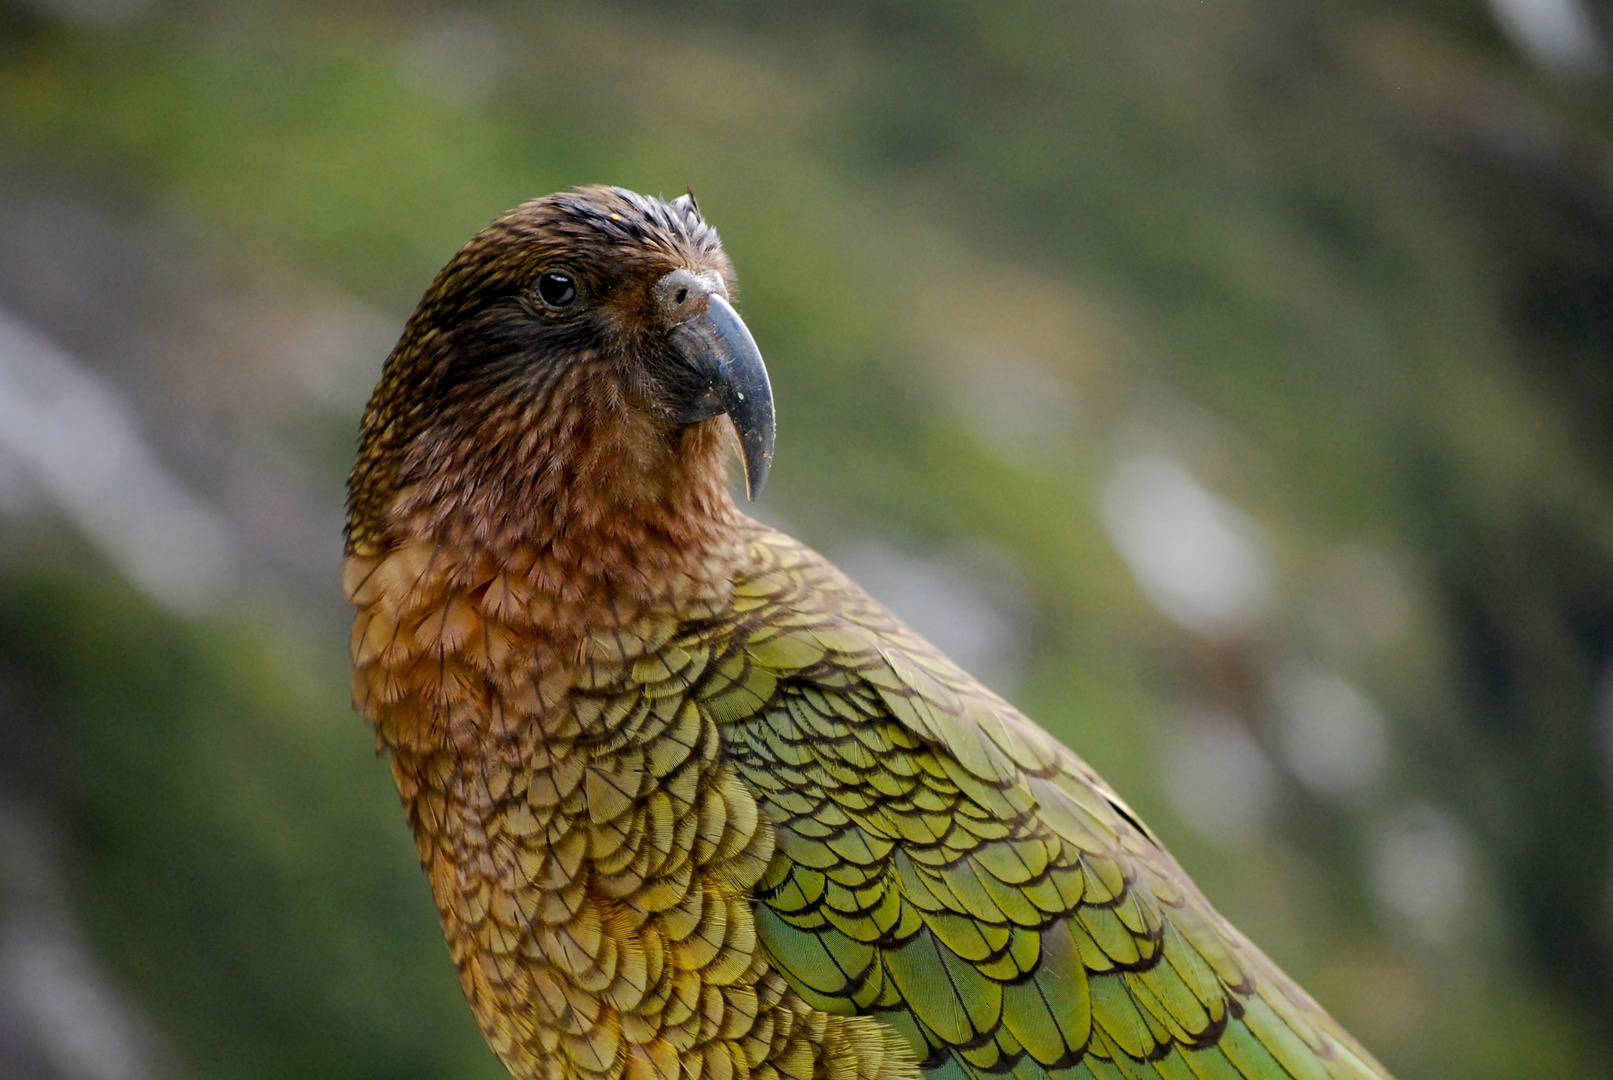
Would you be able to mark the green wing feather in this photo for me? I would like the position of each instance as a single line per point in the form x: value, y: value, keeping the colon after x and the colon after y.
x: 945, y: 865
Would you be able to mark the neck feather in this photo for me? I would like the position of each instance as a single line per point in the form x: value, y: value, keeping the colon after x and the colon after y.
x: 608, y: 504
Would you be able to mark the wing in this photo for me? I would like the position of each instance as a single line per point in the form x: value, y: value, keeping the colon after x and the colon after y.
x: 945, y: 865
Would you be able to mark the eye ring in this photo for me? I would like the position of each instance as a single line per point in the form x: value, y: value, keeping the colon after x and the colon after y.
x: 557, y: 289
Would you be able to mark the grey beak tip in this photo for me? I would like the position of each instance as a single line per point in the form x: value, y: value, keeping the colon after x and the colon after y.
x: 756, y: 479
x: 755, y: 451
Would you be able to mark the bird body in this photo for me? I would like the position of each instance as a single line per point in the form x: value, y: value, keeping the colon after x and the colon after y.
x: 691, y: 804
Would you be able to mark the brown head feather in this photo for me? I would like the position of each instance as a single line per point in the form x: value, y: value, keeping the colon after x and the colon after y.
x: 500, y: 422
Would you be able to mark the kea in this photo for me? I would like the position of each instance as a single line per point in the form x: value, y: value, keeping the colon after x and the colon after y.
x: 692, y: 805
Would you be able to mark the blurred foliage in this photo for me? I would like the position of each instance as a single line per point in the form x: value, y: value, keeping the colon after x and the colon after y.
x: 249, y: 879
x: 1351, y: 262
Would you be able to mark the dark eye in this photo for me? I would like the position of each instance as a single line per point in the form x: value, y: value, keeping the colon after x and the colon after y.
x: 556, y: 289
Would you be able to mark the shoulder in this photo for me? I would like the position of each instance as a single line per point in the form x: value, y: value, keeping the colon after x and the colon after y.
x: 810, y: 636
x: 801, y: 616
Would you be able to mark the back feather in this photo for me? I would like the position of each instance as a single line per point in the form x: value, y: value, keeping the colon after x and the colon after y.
x: 945, y: 865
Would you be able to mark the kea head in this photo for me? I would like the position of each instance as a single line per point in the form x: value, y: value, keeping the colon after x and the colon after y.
x: 578, y: 363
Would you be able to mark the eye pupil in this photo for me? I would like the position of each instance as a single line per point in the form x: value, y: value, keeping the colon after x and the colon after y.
x: 556, y: 289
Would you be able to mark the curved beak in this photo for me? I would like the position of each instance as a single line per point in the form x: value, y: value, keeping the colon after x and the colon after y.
x: 714, y: 342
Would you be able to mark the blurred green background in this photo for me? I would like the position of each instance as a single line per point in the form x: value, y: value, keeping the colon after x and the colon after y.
x: 1230, y: 384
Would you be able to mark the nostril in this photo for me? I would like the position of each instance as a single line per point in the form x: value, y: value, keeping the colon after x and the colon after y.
x: 682, y: 295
